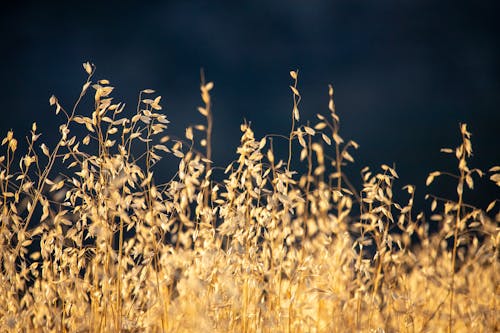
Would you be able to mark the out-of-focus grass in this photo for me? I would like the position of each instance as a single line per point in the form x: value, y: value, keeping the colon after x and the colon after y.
x: 108, y: 245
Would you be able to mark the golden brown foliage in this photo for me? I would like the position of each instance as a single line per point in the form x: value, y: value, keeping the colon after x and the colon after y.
x: 107, y: 247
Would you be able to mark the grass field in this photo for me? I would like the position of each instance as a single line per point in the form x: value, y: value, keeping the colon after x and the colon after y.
x: 94, y: 240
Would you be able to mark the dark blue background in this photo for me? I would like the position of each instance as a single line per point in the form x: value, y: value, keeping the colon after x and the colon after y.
x: 405, y: 72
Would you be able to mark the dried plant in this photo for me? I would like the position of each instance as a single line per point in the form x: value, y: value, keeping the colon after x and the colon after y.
x: 92, y: 241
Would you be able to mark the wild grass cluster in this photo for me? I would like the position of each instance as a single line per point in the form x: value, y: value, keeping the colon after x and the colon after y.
x: 95, y: 237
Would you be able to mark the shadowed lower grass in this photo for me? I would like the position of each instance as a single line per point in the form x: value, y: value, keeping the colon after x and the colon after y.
x: 107, y: 245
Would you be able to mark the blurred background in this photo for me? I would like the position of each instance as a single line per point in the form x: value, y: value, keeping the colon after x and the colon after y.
x: 405, y: 73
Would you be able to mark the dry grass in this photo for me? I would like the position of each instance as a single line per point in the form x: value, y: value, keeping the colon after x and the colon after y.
x: 105, y: 246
